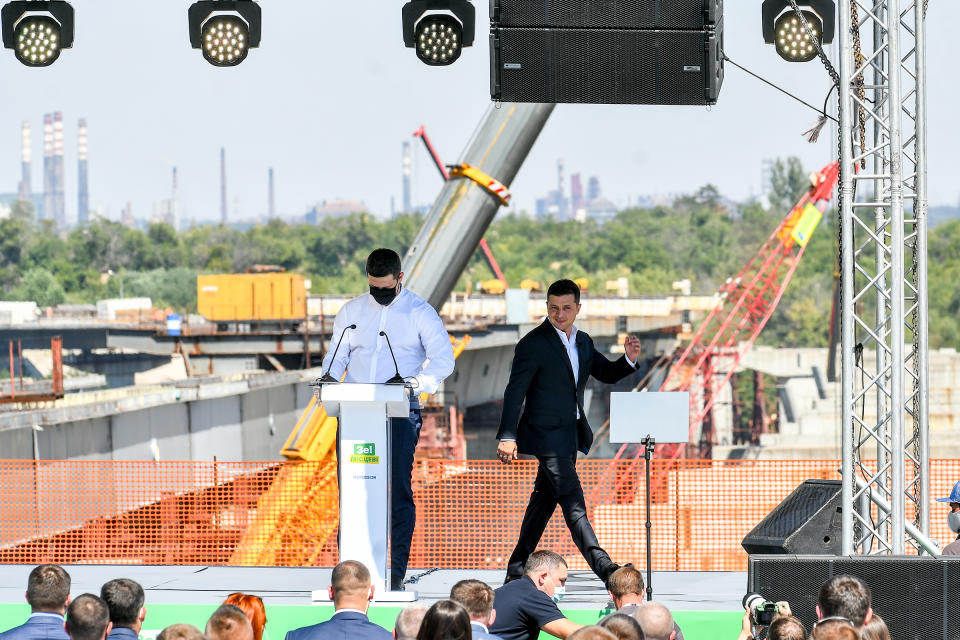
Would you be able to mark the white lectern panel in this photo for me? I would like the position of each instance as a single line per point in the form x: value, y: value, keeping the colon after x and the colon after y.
x: 662, y: 415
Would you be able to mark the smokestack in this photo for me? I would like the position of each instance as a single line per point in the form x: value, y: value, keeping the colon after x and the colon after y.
x: 46, y: 212
x: 59, y: 209
x: 24, y: 190
x: 271, y: 200
x: 83, y: 195
x: 223, y: 186
x: 407, y: 165
x: 174, y: 213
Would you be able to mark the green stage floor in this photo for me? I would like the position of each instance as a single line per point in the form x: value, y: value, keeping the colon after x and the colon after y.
x: 706, y: 605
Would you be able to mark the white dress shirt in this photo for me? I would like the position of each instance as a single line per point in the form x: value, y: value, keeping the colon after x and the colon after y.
x: 420, y: 342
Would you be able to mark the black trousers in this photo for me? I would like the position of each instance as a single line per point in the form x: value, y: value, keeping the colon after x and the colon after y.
x: 403, y: 514
x: 558, y: 483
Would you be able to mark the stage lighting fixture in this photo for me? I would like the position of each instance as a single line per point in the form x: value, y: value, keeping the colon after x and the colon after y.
x: 438, y: 29
x: 784, y: 29
x: 224, y: 30
x: 37, y: 30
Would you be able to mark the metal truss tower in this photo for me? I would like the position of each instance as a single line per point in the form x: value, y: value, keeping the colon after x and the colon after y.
x: 883, y: 235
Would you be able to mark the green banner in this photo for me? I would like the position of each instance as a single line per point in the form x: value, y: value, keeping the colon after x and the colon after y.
x: 696, y: 625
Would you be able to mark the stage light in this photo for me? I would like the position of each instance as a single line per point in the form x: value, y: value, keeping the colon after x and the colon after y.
x: 439, y: 36
x: 224, y: 30
x: 37, y: 30
x: 784, y: 29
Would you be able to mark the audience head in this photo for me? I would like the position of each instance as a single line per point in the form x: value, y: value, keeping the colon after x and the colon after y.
x: 834, y: 629
x: 876, y: 629
x: 48, y: 589
x: 845, y: 596
x: 229, y: 622
x: 625, y: 586
x: 408, y: 621
x: 124, y: 599
x: 350, y: 586
x: 786, y: 628
x: 656, y: 620
x: 252, y: 607
x: 477, y: 598
x: 593, y: 632
x: 445, y: 619
x: 623, y: 627
x: 88, y: 618
x: 548, y: 571
x: 180, y: 632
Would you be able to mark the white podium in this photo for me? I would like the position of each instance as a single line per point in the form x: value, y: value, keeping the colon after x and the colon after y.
x: 363, y: 474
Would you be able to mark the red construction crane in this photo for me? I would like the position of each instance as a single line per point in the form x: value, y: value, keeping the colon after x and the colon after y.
x: 497, y: 189
x: 746, y: 303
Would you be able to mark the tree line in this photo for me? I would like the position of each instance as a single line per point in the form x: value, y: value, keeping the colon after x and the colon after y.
x: 700, y: 236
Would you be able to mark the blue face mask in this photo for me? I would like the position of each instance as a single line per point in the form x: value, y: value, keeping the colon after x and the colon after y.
x: 558, y: 594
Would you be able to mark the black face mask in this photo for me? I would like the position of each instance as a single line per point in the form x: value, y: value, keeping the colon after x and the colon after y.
x: 385, y: 295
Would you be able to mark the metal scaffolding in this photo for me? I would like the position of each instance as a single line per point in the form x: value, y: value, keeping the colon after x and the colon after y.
x: 883, y: 253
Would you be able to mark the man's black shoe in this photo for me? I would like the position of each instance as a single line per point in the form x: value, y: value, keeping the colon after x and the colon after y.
x: 396, y: 583
x: 511, y: 578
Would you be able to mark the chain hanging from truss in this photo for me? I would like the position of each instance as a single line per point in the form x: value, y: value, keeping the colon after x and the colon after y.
x: 884, y: 276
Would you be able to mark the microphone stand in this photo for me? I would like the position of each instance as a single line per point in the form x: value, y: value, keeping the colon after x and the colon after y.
x: 648, y: 445
x: 327, y: 378
x: 397, y: 378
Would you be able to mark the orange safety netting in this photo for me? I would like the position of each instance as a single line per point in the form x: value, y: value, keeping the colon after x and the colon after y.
x: 468, y: 512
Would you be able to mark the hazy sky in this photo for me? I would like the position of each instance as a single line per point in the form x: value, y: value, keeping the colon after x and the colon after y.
x: 332, y: 93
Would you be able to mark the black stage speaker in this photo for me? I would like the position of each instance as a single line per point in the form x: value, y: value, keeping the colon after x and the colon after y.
x: 918, y: 597
x: 807, y: 521
x: 606, y: 51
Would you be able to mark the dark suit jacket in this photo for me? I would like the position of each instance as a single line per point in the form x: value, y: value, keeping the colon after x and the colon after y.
x: 546, y: 424
x: 348, y: 625
x: 42, y: 627
x: 479, y: 634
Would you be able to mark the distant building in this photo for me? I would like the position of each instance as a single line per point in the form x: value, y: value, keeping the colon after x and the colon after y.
x: 334, y: 209
x: 593, y: 188
x: 601, y: 209
x: 7, y: 200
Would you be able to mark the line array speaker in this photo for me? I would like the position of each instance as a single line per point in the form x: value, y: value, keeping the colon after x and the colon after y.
x: 607, y: 51
x: 603, y: 14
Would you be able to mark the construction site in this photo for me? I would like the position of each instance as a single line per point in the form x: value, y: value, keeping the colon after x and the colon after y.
x: 144, y: 442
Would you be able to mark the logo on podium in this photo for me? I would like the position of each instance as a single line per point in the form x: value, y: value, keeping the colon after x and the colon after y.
x: 365, y: 453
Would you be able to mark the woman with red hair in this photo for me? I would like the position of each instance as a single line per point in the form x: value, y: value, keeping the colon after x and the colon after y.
x: 253, y: 607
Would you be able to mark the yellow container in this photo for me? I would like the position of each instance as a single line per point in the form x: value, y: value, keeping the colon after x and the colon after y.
x: 251, y: 296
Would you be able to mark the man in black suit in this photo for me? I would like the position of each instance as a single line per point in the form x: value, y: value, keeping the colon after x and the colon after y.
x: 543, y: 415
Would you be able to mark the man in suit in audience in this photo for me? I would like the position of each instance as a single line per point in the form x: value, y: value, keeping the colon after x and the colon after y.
x: 477, y: 598
x: 125, y: 600
x: 656, y: 620
x: 543, y: 415
x: 229, y: 622
x: 408, y: 621
x: 48, y: 593
x: 351, y: 591
x: 88, y: 618
x: 625, y: 587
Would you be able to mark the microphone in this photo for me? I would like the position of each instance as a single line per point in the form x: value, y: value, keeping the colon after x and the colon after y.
x: 397, y: 378
x: 327, y: 378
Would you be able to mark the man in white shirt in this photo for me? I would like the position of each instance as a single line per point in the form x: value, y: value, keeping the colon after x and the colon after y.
x: 390, y: 315
x: 543, y: 415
